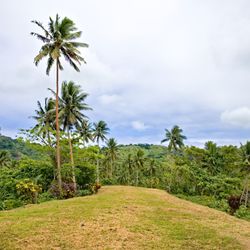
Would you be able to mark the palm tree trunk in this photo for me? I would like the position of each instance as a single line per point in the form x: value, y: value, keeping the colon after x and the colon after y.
x: 111, y: 168
x: 72, y: 160
x: 59, y: 177
x: 137, y: 176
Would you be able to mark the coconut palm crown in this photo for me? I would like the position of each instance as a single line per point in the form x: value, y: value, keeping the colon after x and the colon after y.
x: 58, y: 40
x: 175, y: 138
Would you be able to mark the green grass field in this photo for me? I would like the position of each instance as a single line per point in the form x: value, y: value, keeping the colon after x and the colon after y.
x: 121, y: 217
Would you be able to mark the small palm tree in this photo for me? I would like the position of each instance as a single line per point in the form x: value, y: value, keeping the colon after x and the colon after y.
x: 59, y: 39
x: 100, y: 131
x: 85, y: 131
x: 111, y: 152
x: 45, y: 117
x: 139, y: 160
x: 175, y: 138
x: 71, y: 107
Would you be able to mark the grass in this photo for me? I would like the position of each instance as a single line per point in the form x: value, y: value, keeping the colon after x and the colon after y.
x: 122, y: 218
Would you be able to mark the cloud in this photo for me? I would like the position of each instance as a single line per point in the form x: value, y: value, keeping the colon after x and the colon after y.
x: 109, y: 99
x: 160, y: 66
x: 138, y: 125
x: 239, y: 117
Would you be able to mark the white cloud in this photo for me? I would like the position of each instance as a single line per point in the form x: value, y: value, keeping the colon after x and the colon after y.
x: 159, y: 66
x: 238, y: 117
x: 110, y: 99
x: 138, y: 125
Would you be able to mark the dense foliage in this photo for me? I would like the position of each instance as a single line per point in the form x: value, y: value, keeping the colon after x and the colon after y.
x: 211, y: 175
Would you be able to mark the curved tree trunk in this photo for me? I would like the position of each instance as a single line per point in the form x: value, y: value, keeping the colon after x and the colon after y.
x: 58, y: 160
x: 72, y: 160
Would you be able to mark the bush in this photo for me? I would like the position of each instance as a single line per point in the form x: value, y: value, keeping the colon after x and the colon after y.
x: 243, y: 212
x: 84, y: 192
x: 96, y: 187
x: 28, y: 189
x: 108, y: 181
x: 46, y: 196
x: 68, y: 190
x: 11, y: 203
x: 234, y: 203
x: 208, y: 201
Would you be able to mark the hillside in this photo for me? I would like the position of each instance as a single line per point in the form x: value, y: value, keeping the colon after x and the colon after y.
x: 16, y: 147
x: 122, y: 217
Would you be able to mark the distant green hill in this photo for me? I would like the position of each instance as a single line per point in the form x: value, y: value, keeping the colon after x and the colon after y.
x: 150, y: 150
x: 16, y: 147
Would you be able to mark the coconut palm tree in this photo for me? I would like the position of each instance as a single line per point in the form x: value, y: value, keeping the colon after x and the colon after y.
x: 85, y: 131
x: 111, y: 153
x: 100, y: 131
x: 175, y: 138
x: 45, y: 117
x: 71, y: 107
x: 139, y: 160
x: 59, y: 39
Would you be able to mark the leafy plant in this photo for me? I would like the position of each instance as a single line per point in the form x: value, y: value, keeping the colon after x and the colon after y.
x: 234, y: 203
x: 28, y: 189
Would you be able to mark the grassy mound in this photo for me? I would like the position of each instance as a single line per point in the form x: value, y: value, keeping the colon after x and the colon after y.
x: 122, y: 218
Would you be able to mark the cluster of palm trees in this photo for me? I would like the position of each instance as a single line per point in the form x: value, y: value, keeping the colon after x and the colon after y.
x: 65, y: 112
x: 59, y: 40
x: 71, y: 119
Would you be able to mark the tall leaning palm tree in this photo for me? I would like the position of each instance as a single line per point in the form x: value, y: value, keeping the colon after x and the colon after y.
x: 71, y: 107
x: 59, y: 40
x: 175, y: 138
x: 100, y: 131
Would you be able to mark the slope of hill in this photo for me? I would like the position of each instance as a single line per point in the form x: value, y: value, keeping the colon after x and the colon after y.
x: 122, y: 217
x: 16, y: 147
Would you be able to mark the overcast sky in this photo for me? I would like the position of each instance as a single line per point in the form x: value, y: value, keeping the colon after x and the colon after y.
x: 150, y: 65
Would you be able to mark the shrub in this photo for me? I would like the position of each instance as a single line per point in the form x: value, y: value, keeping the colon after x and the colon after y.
x: 28, y: 189
x: 46, y: 196
x: 243, y: 212
x: 234, y: 203
x: 11, y: 203
x: 68, y: 190
x: 108, y: 181
x: 96, y: 187
x: 84, y: 192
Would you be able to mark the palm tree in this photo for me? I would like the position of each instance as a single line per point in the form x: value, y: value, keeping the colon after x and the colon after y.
x: 70, y: 113
x: 45, y: 117
x: 139, y: 160
x: 58, y: 40
x: 100, y: 131
x: 85, y: 131
x: 111, y: 152
x: 129, y: 163
x: 175, y: 138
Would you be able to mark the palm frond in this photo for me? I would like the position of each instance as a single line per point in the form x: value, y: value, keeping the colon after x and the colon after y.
x: 47, y: 34
x: 40, y: 37
x: 49, y: 64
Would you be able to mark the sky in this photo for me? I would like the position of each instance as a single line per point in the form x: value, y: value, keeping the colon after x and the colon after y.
x: 151, y: 64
